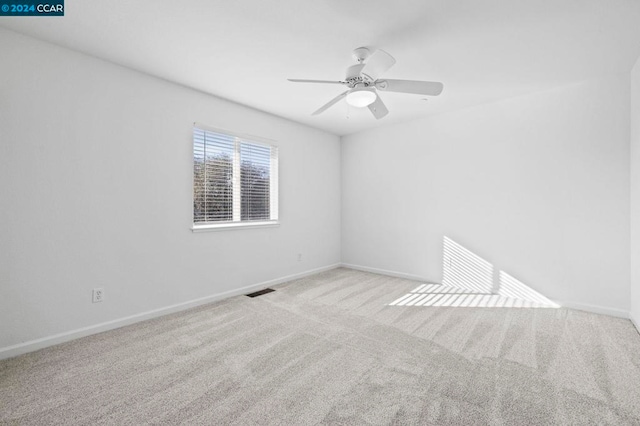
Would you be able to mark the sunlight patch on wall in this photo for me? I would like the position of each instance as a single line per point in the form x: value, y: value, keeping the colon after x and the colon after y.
x: 511, y: 287
x: 465, y: 269
x: 468, y: 282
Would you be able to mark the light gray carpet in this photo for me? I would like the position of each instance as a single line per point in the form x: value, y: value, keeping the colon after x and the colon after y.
x: 329, y: 349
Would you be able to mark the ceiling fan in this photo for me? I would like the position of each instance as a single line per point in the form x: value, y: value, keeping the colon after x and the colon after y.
x: 363, y: 82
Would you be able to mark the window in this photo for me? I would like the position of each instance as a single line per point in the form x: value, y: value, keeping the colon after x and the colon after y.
x: 235, y: 180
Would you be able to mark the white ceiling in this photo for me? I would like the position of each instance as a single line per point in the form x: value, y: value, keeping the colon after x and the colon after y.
x: 244, y: 50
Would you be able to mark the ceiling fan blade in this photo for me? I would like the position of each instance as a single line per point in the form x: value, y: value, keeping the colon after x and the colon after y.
x: 378, y: 108
x: 330, y: 103
x: 431, y: 88
x: 297, y: 80
x: 377, y: 64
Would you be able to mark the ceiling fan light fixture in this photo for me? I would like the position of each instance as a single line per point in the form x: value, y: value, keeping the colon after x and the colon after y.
x: 361, y: 97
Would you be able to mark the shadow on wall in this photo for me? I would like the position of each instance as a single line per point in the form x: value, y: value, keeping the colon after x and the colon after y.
x: 469, y: 281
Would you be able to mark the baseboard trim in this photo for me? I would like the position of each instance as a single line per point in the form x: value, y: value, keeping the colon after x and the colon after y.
x: 571, y: 305
x: 635, y: 323
x: 384, y: 272
x: 595, y: 309
x: 292, y: 277
x: 44, y: 342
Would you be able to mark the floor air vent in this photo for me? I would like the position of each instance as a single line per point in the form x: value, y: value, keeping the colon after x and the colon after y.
x: 261, y: 292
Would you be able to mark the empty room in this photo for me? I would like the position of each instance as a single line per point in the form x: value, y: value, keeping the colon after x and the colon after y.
x: 320, y: 212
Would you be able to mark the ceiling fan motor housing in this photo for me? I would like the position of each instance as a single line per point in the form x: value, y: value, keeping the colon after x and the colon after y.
x: 353, y: 76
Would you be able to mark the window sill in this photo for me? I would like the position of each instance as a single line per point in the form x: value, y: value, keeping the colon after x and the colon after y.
x: 234, y: 225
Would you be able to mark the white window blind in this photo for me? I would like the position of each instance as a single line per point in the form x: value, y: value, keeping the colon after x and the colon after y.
x: 235, y: 180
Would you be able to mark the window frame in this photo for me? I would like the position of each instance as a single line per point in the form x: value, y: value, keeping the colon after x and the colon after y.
x: 246, y: 224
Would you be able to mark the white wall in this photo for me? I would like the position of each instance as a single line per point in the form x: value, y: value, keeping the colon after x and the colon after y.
x: 536, y: 185
x: 635, y: 194
x: 95, y: 186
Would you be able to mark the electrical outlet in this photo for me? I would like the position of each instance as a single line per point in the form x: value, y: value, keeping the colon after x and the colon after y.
x: 98, y: 295
x: 299, y: 257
